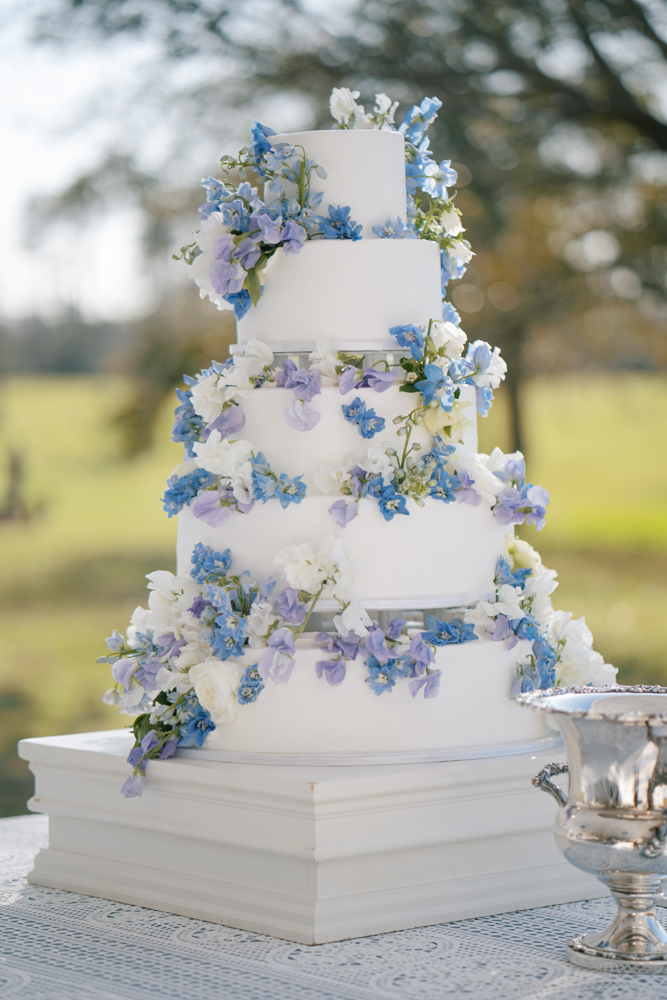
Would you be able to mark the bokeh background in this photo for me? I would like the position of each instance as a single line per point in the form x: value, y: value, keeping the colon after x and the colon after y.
x: 554, y: 113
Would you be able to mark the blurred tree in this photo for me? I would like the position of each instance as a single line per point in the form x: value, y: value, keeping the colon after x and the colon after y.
x: 554, y: 111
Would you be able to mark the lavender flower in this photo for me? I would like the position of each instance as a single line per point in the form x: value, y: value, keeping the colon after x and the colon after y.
x: 334, y: 671
x: 344, y: 511
x: 301, y: 416
x: 277, y: 662
x: 209, y: 508
x: 429, y: 682
x: 133, y: 787
x: 378, y: 380
x: 293, y: 236
x: 229, y: 422
x: 290, y: 607
x: 347, y: 380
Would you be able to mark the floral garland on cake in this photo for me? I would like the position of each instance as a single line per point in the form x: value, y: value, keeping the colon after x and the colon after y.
x: 222, y: 472
x: 240, y: 231
x: 177, y: 668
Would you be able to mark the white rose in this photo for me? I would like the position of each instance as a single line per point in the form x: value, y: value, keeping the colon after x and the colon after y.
x: 221, y: 456
x: 215, y: 683
x: 207, y: 398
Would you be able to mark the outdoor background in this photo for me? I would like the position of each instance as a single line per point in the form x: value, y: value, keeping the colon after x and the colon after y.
x: 554, y: 114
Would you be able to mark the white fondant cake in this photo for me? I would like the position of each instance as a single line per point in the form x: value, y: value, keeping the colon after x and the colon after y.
x: 346, y: 291
x: 331, y: 481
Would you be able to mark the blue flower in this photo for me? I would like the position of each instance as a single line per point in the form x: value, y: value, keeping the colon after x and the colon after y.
x: 241, y: 302
x: 419, y: 118
x: 515, y: 506
x: 391, y: 503
x: 338, y: 225
x: 290, y: 490
x: 381, y: 676
x: 545, y: 662
x: 133, y: 787
x: 250, y: 686
x: 366, y: 419
x: 436, y: 383
x: 188, y: 425
x: 411, y: 337
x: 394, y: 229
x: 260, y: 144
x: 395, y: 628
x: 441, y: 633
x: 197, y: 729
x: 516, y: 577
x: 182, y: 489
x: 207, y: 563
x: 263, y: 487
x: 526, y: 628
x: 443, y: 486
x: 484, y: 400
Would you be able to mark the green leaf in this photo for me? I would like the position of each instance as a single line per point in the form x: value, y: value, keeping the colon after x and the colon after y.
x: 356, y: 360
x: 141, y: 726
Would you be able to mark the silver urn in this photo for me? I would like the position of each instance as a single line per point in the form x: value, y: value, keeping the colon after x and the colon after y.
x: 613, y: 821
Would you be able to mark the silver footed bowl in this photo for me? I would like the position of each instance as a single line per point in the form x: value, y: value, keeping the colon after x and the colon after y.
x: 613, y: 821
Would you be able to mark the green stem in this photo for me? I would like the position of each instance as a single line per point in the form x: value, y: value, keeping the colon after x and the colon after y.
x: 427, y: 220
x: 310, y: 610
x: 405, y: 447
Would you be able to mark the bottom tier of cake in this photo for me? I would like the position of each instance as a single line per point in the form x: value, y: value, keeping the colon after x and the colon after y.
x: 472, y: 714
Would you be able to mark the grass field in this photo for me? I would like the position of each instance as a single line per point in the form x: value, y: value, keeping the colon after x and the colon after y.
x: 76, y: 570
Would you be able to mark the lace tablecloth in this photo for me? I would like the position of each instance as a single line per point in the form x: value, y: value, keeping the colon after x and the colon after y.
x: 63, y: 946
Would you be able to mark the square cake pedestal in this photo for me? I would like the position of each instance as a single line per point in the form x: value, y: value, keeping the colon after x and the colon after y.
x: 310, y: 854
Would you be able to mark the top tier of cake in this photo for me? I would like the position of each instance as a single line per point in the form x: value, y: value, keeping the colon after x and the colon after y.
x: 350, y: 292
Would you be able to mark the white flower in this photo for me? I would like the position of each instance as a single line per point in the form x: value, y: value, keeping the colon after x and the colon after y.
x: 485, y: 483
x: 344, y: 108
x: 385, y: 107
x: 138, y: 623
x: 323, y: 361
x: 454, y: 424
x: 378, y: 463
x: 337, y: 564
x: 578, y: 663
x: 220, y: 456
x: 210, y: 230
x: 498, y: 460
x: 215, y: 683
x: 259, y: 621
x: 451, y: 337
x: 495, y: 371
x: 236, y: 382
x: 255, y: 357
x: 460, y: 250
x: 242, y: 483
x: 305, y: 569
x: 134, y: 701
x: 523, y: 555
x: 193, y: 652
x: 482, y: 622
x: 300, y: 567
x: 189, y: 465
x: 207, y: 398
x: 450, y: 220
x: 173, y: 680
x: 353, y: 619
x: 507, y: 603
x: 169, y: 593
x: 328, y: 480
x: 539, y: 586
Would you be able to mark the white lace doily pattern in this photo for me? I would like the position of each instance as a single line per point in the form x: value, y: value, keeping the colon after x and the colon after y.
x: 63, y: 946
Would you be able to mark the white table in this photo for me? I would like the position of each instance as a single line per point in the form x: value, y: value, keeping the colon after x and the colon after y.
x: 58, y: 945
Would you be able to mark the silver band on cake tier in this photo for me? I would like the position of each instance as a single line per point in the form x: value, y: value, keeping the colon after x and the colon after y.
x: 374, y: 759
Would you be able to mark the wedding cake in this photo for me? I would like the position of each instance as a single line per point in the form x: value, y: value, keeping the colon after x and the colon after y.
x: 348, y: 588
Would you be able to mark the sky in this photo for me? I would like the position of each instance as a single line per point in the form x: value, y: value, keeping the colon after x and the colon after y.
x: 49, y: 137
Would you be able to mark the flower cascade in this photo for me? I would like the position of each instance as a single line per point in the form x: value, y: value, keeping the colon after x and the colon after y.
x: 431, y: 213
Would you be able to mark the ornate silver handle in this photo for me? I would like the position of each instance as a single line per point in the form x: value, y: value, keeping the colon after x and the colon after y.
x: 654, y: 846
x: 543, y: 780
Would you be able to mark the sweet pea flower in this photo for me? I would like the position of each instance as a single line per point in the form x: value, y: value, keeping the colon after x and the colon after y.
x: 277, y: 661
x: 301, y: 416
